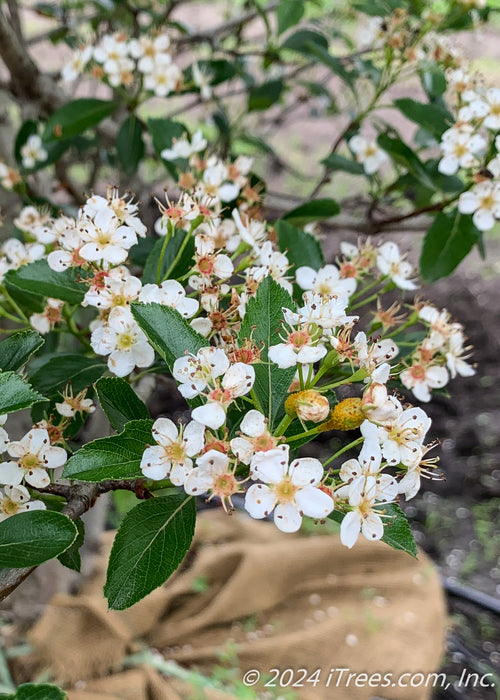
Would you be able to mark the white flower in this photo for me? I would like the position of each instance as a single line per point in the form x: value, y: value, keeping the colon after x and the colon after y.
x: 20, y: 254
x: 375, y: 355
x: 455, y: 359
x: 106, y: 239
x: 171, y: 457
x: 216, y: 181
x: 33, y: 455
x: 492, y: 99
x: 183, y: 148
x: 195, y: 372
x: 33, y: 152
x: 120, y: 288
x: 125, y: 210
x: 400, y: 438
x: 460, y: 146
x: 326, y: 281
x: 76, y: 64
x: 124, y: 342
x: 300, y: 346
x: 110, y: 52
x: 257, y: 437
x: 325, y: 312
x: 390, y: 262
x: 68, y: 255
x: 368, y: 153
x: 71, y: 405
x: 483, y: 201
x: 31, y: 219
x: 237, y: 381
x: 274, y: 264
x: 252, y: 231
x: 164, y: 78
x: 16, y: 499
x: 45, y: 321
x: 290, y: 490
x: 9, y: 177
x: 169, y: 293
x: 201, y: 78
x: 147, y: 50
x: 420, y: 378
x: 212, y: 473
x: 364, y: 518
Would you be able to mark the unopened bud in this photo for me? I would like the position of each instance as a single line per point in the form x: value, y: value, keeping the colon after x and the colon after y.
x: 346, y: 415
x: 308, y: 405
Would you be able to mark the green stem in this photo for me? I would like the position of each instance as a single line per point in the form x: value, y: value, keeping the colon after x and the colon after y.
x: 181, y: 250
x: 357, y: 376
x: 308, y: 433
x: 344, y: 449
x: 162, y: 252
x: 14, y: 305
x: 281, y: 429
x: 372, y: 297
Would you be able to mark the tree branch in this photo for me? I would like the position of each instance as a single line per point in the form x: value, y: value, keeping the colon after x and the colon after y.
x: 81, y: 498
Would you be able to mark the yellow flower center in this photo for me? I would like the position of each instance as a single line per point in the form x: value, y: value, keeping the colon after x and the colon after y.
x: 125, y: 341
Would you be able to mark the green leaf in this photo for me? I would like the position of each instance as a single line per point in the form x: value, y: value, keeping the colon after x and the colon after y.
x: 302, y: 40
x: 450, y: 238
x: 432, y: 117
x: 397, y: 533
x: 289, y: 12
x: 75, y: 117
x: 15, y: 393
x: 39, y: 691
x: 169, y: 333
x: 17, y: 349
x: 300, y: 247
x: 322, y: 55
x: 130, y: 144
x: 403, y: 155
x: 315, y: 210
x: 263, y: 322
x: 433, y: 80
x: 150, y: 274
x: 265, y: 95
x: 38, y: 278
x: 152, y: 541
x: 71, y: 558
x: 116, y: 457
x: 336, y: 162
x: 30, y: 538
x: 49, y: 374
x: 119, y: 402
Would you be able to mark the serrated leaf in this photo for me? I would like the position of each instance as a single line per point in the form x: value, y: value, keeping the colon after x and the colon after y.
x: 17, y: 349
x: 51, y: 373
x: 167, y: 331
x: 154, y: 273
x: 116, y: 457
x: 151, y: 542
x: 450, y: 238
x: 432, y: 117
x: 130, y: 144
x: 76, y: 116
x: 119, y: 402
x: 300, y: 247
x: 336, y: 162
x: 16, y: 394
x: 397, y: 533
x: 71, y: 558
x: 403, y: 155
x: 263, y: 322
x: 315, y: 210
x: 38, y: 278
x: 38, y: 691
x: 30, y: 538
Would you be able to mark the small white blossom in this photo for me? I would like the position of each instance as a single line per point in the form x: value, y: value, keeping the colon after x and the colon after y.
x: 16, y: 499
x: 33, y: 455
x: 483, y: 202
x: 171, y: 458
x: 45, y: 321
x: 33, y: 152
x: 195, y: 372
x: 421, y: 378
x: 390, y: 262
x: 326, y: 281
x: 125, y: 343
x: 183, y: 148
x: 169, y: 293
x: 368, y: 153
x: 76, y: 64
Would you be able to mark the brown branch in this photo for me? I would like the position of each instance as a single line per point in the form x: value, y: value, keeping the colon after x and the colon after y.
x: 81, y: 498
x: 15, y: 19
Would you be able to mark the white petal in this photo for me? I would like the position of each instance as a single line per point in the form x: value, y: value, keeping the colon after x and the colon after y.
x: 198, y: 481
x: 54, y: 457
x: 287, y: 518
x: 194, y: 438
x: 254, y: 423
x: 372, y: 527
x: 349, y: 528
x: 270, y: 466
x: 306, y: 471
x: 164, y: 431
x: 11, y: 473
x: 305, y: 277
x: 314, y: 502
x: 259, y: 501
x: 37, y: 478
x: 211, y: 414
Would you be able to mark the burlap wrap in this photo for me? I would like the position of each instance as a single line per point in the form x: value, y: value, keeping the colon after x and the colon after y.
x: 312, y: 604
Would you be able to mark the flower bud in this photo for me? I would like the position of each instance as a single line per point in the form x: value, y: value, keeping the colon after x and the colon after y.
x: 308, y: 405
x: 346, y: 415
